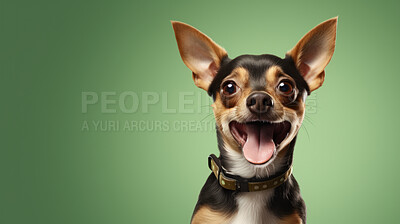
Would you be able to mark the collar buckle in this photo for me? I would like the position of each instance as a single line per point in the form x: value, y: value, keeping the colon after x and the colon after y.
x: 242, y: 186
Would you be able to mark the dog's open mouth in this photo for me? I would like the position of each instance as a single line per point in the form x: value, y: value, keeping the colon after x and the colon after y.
x: 259, y: 139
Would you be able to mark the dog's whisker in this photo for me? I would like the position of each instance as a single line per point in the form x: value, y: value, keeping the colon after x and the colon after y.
x: 305, y: 128
x: 308, y: 119
x: 207, y: 116
x: 258, y: 102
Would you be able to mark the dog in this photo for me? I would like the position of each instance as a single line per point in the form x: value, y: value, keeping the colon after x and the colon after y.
x: 259, y: 106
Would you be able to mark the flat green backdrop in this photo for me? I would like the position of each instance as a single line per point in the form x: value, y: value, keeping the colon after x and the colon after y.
x: 55, y: 169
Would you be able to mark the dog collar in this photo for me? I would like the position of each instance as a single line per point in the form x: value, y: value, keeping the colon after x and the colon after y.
x: 237, y: 183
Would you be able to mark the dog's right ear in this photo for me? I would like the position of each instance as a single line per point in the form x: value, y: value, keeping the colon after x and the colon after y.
x: 199, y: 53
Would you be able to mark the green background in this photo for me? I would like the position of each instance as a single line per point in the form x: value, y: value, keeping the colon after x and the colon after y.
x: 52, y: 171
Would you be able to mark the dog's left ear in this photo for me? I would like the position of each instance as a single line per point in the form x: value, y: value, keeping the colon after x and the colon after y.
x: 199, y: 53
x: 314, y: 51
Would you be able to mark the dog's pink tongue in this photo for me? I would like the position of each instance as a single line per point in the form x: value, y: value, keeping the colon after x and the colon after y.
x: 259, y: 146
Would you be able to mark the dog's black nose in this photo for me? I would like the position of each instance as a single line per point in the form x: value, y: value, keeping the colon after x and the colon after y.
x: 259, y: 102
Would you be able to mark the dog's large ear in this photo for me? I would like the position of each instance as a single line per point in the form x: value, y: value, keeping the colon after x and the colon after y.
x: 199, y: 53
x: 314, y: 51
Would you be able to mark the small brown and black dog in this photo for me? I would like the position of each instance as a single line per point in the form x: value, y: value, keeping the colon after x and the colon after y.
x: 259, y: 106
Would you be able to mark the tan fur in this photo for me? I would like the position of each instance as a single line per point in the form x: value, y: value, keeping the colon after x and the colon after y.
x: 187, y: 37
x: 293, y: 111
x: 283, y: 152
x: 203, y: 57
x: 323, y: 38
x: 292, y: 219
x: 207, y: 215
x: 224, y: 108
x: 272, y: 74
x: 234, y: 108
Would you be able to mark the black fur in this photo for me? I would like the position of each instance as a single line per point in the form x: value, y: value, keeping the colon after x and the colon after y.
x: 286, y: 199
x: 217, y: 197
x: 257, y: 65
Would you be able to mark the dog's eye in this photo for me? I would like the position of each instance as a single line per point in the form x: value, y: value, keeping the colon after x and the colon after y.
x: 285, y: 87
x: 229, y: 88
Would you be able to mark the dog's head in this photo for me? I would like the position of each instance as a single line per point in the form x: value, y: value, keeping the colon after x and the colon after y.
x: 259, y: 100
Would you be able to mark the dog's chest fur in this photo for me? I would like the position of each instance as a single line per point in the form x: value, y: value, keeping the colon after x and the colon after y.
x: 252, y: 208
x: 259, y: 105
